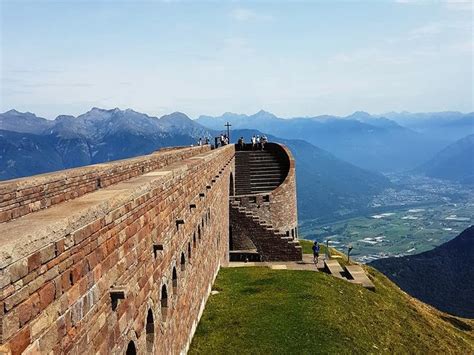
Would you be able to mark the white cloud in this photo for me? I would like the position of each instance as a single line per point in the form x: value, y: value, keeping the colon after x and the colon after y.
x: 244, y: 15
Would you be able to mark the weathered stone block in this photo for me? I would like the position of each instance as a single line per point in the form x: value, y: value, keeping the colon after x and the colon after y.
x: 34, y: 261
x: 46, y: 295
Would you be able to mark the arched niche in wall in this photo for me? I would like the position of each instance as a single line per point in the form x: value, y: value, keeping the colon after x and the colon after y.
x: 150, y: 331
x: 231, y: 184
x: 131, y: 348
x: 183, y: 262
x: 164, y: 302
x: 175, y: 280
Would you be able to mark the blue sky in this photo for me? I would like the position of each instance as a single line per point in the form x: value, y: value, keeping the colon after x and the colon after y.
x: 290, y: 58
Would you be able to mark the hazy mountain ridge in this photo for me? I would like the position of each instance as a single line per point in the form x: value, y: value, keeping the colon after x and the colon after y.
x: 24, y: 154
x: 447, y: 125
x: 455, y: 162
x: 26, y: 122
x: 369, y: 141
x: 438, y: 276
x: 99, y: 122
x: 326, y: 184
x: 97, y: 136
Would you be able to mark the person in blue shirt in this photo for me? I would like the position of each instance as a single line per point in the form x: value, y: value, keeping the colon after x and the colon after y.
x: 315, y: 252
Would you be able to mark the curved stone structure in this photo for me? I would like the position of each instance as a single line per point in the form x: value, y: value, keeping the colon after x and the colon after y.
x: 273, y: 203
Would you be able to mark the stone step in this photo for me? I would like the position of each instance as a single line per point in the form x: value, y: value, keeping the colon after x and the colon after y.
x: 334, y: 268
x: 264, y: 164
x: 266, y: 160
x: 264, y: 183
x: 359, y: 276
x: 266, y: 178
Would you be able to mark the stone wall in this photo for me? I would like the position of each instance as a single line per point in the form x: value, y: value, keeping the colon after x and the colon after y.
x: 22, y: 196
x: 127, y: 265
x: 278, y: 207
x: 247, y: 229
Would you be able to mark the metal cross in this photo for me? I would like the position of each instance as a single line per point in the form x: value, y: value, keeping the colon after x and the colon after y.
x: 228, y: 125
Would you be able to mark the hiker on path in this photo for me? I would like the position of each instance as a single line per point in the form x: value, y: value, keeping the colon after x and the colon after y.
x: 315, y: 252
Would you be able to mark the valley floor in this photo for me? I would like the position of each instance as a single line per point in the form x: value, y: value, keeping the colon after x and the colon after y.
x: 399, y: 232
x: 264, y: 311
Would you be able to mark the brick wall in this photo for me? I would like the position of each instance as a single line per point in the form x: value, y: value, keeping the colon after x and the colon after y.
x: 271, y: 245
x: 278, y: 207
x: 22, y: 196
x: 83, y: 276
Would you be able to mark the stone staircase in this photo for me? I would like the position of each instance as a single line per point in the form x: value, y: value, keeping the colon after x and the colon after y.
x: 353, y: 273
x: 271, y: 244
x: 258, y: 171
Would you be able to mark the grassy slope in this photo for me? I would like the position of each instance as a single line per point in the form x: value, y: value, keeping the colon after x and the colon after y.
x: 264, y: 311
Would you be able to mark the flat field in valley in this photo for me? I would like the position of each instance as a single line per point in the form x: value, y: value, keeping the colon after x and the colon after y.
x: 396, y: 232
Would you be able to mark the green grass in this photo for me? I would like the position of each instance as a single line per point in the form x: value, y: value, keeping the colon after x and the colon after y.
x: 264, y: 311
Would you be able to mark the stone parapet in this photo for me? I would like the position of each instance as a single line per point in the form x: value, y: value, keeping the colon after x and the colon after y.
x: 22, y: 196
x: 128, y: 265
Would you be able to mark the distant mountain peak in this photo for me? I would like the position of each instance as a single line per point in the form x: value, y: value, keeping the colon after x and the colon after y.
x: 18, y: 113
x: 360, y: 115
x: 98, y: 109
x: 94, y: 109
x: 232, y: 114
x: 264, y: 114
x: 12, y: 111
x: 176, y: 115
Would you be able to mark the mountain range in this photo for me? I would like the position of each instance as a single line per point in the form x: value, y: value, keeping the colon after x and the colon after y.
x: 32, y: 145
x: 372, y: 142
x: 455, y: 162
x: 440, y: 125
x: 327, y: 184
x: 442, y: 277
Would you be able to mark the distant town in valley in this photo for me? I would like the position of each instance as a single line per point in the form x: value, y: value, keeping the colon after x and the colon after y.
x: 416, y: 215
